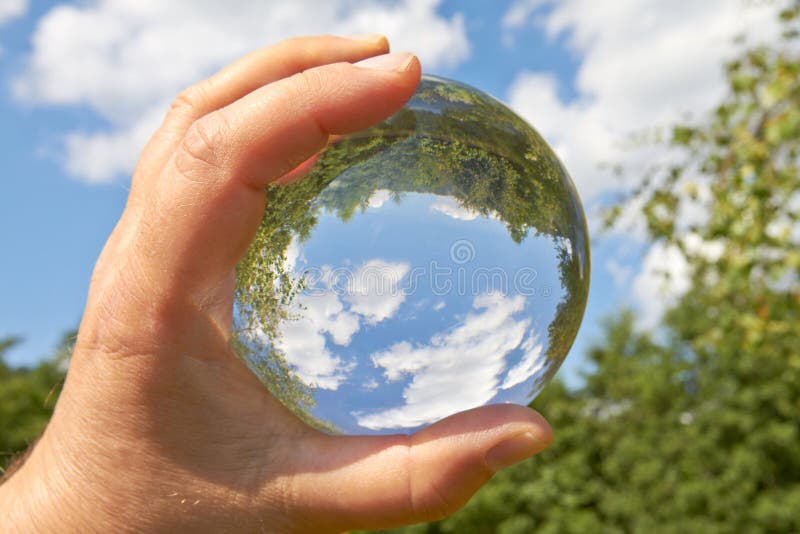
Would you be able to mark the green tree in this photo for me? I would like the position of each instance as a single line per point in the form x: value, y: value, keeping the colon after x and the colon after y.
x: 741, y: 319
x: 695, y: 429
x: 27, y: 398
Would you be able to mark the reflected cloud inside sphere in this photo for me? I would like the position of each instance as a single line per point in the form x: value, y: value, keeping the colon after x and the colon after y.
x: 467, y: 362
x: 434, y: 263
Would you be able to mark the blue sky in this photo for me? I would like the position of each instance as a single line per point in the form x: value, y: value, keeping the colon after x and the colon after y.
x: 82, y: 83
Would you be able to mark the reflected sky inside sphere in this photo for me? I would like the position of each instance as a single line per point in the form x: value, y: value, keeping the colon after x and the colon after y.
x: 436, y: 262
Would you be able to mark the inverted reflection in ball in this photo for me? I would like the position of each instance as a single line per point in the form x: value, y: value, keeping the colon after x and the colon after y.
x: 434, y: 263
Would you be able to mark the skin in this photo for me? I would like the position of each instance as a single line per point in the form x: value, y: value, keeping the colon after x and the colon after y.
x: 159, y: 426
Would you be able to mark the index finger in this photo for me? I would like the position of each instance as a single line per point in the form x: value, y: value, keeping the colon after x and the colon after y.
x: 240, y: 78
x: 210, y: 199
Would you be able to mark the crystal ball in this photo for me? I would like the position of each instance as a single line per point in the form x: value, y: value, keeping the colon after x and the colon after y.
x: 436, y: 262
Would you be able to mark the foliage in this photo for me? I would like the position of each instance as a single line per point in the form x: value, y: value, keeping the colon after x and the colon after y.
x: 27, y: 398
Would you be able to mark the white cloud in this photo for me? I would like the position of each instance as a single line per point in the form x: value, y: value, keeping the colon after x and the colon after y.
x: 372, y: 295
x: 457, y: 369
x: 303, y: 340
x: 529, y: 365
x: 663, y: 279
x: 293, y: 256
x: 126, y: 59
x: 665, y: 275
x: 97, y: 157
x: 379, y: 198
x: 643, y: 64
x: 374, y: 290
x: 450, y: 207
x: 518, y: 14
x: 11, y: 9
x: 370, y: 385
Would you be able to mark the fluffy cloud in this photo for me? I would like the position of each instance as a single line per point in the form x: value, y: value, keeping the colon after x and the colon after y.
x: 450, y: 207
x: 11, y: 9
x: 374, y: 291
x: 125, y: 59
x: 303, y: 341
x: 379, y: 198
x: 529, y: 365
x: 459, y: 368
x: 643, y: 64
x: 665, y: 276
x: 372, y: 295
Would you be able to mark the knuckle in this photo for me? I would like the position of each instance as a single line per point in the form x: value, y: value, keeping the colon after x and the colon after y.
x: 203, y: 148
x: 308, y: 88
x: 189, y: 101
x: 310, y: 83
x: 427, y: 502
x: 121, y: 321
x: 433, y: 505
x: 306, y: 51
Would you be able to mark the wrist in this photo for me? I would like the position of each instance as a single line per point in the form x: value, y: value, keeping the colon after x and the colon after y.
x: 27, y: 503
x: 53, y: 492
x: 50, y: 493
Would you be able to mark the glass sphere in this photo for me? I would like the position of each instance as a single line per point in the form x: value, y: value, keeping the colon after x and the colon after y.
x: 436, y: 262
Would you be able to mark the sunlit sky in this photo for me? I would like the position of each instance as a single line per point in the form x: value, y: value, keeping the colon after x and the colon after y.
x: 82, y: 85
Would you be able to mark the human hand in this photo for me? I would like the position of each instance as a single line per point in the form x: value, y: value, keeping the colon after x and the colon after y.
x: 160, y: 427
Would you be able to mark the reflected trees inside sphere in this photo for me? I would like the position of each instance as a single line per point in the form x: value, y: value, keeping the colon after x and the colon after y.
x: 433, y: 263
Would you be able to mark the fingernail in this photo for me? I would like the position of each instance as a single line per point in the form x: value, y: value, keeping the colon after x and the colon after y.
x: 397, y: 61
x: 368, y: 37
x: 513, y: 450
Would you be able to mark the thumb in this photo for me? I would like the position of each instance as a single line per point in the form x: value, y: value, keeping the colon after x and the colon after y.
x: 367, y: 482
